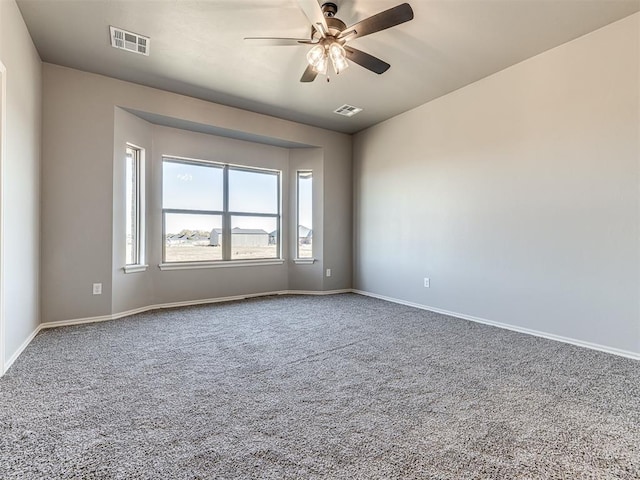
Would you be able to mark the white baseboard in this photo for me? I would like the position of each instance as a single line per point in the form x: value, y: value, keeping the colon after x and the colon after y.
x: 17, y: 353
x: 317, y: 292
x: 116, y: 316
x: 537, y: 333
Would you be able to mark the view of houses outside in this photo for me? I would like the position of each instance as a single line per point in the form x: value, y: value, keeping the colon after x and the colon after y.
x: 305, y: 242
x: 188, y: 236
x: 191, y: 191
x: 198, y: 236
x: 246, y: 243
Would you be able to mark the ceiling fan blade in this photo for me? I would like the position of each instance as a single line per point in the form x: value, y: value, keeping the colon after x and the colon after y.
x: 275, y: 41
x: 381, y: 21
x: 313, y: 12
x: 367, y: 61
x: 309, y: 75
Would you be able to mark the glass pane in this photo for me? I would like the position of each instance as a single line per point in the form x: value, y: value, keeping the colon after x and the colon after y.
x: 191, y: 187
x: 192, y: 238
x: 131, y: 207
x: 305, y: 215
x: 253, y: 192
x: 254, y: 237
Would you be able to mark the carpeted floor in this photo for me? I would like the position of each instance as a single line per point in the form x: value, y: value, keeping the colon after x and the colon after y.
x: 336, y: 387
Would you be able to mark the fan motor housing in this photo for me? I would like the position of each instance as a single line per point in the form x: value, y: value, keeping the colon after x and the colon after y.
x: 329, y: 9
x: 335, y: 25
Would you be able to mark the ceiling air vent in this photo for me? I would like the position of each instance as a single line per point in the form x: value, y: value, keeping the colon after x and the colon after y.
x: 132, y: 42
x: 347, y: 110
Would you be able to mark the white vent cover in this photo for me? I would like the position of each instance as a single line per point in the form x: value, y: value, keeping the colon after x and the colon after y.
x: 132, y: 42
x: 347, y: 110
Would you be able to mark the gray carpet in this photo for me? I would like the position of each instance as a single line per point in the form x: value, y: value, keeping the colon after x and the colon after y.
x: 337, y: 387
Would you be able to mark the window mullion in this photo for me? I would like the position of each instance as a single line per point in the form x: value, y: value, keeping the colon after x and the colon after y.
x: 252, y: 214
x: 192, y: 212
x: 226, y: 217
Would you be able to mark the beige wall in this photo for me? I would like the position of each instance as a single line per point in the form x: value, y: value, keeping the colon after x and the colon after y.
x: 517, y: 195
x: 84, y: 134
x: 20, y: 180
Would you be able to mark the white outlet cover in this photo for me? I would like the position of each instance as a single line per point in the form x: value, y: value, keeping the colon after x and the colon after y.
x: 97, y: 289
x: 328, y: 272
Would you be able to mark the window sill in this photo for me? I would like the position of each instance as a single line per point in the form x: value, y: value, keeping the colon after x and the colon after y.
x: 304, y: 261
x: 135, y: 268
x: 219, y: 264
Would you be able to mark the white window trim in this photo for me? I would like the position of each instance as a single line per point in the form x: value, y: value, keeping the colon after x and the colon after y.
x: 304, y: 261
x: 298, y: 260
x: 135, y: 268
x: 219, y: 264
x: 141, y: 266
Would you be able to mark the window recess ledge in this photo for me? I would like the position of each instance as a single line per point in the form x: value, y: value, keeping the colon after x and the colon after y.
x: 220, y: 264
x: 304, y: 261
x: 135, y: 268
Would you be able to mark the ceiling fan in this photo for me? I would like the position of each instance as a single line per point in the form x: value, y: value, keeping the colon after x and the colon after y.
x: 329, y: 37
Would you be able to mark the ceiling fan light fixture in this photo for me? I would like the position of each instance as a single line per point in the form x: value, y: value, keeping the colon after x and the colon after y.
x: 340, y: 65
x: 317, y: 58
x: 338, y: 57
x: 336, y: 51
x: 315, y: 55
x: 321, y: 66
x: 329, y: 35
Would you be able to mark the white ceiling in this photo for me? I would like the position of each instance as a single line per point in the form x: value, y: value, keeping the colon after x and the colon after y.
x: 197, y: 48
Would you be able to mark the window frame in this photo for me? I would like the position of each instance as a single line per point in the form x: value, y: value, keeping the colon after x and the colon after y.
x: 226, y: 215
x: 138, y: 244
x: 298, y: 259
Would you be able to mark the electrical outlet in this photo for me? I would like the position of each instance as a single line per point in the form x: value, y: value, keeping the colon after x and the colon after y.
x: 328, y: 272
x: 97, y: 289
x: 426, y: 282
